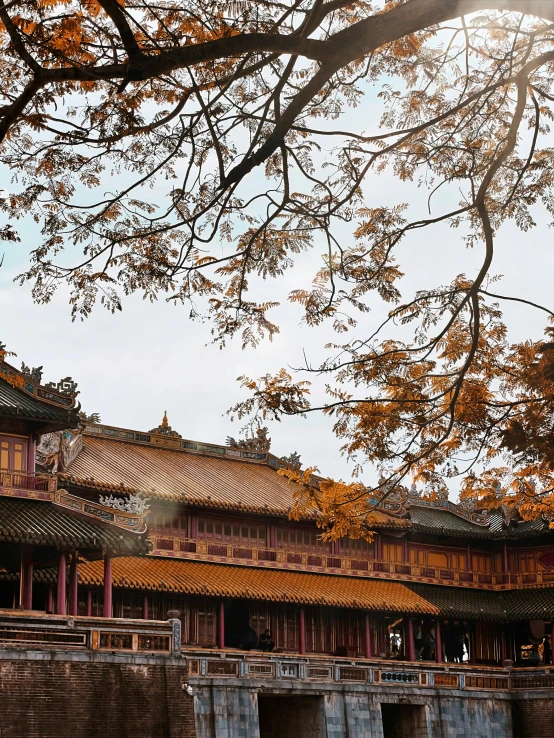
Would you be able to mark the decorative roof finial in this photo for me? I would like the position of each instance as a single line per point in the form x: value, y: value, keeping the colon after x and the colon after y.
x: 164, y: 429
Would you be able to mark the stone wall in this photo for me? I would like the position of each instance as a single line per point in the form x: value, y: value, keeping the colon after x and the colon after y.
x: 100, y: 697
x: 304, y: 710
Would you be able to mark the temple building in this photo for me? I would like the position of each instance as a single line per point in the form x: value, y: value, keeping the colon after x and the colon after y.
x: 134, y: 544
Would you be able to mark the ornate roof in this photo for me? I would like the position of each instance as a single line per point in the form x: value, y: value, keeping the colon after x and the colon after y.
x: 168, y: 467
x: 164, y: 429
x: 217, y: 580
x: 475, y: 604
x: 22, y: 395
x: 43, y: 523
x: 437, y: 521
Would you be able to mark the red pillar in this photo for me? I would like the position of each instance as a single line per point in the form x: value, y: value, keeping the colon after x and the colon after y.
x: 502, y: 645
x: 73, y: 584
x: 405, y: 551
x: 221, y: 626
x: 26, y: 578
x: 89, y: 603
x: 410, y: 638
x: 50, y: 600
x: 438, y: 641
x: 378, y: 547
x: 469, y: 562
x: 60, y: 597
x: 302, y: 630
x: 367, y: 637
x: 108, y: 586
x: 145, y: 613
x: 31, y: 447
x: 506, y: 560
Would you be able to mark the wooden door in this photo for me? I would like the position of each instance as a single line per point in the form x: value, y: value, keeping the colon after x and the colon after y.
x: 13, y: 453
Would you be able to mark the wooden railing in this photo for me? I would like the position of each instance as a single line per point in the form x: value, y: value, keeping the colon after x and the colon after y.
x: 30, y: 630
x: 27, y: 484
x: 201, y: 550
x: 379, y: 672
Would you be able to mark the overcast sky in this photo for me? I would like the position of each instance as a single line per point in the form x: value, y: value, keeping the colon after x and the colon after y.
x: 132, y: 366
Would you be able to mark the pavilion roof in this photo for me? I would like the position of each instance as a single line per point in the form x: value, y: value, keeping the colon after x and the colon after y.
x: 219, y: 580
x: 42, y: 523
x: 23, y: 397
x: 176, y: 470
x: 474, y: 604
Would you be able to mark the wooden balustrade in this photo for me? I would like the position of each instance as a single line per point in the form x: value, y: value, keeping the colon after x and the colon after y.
x: 41, y: 631
x: 179, y: 547
x: 373, y: 671
x: 28, y: 484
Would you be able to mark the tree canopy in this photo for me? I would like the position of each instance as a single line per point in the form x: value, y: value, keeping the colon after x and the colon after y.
x: 190, y: 148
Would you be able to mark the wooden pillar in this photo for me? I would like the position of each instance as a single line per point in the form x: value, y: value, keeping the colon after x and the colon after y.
x: 89, y: 603
x: 405, y: 551
x: 60, y: 595
x: 145, y: 613
x: 31, y: 449
x: 302, y: 630
x: 438, y: 641
x: 505, y: 560
x: 50, y: 600
x: 193, y: 518
x: 26, y: 578
x: 410, y: 638
x: 367, y: 637
x: 108, y: 585
x: 271, y: 536
x: 221, y: 625
x: 73, y: 584
x: 378, y: 547
x: 469, y: 562
x: 503, y: 656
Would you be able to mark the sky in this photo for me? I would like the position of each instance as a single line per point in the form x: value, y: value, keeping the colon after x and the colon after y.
x: 132, y: 366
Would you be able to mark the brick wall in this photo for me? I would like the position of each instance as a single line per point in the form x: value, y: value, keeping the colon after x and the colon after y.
x: 291, y: 717
x: 533, y: 718
x: 51, y: 699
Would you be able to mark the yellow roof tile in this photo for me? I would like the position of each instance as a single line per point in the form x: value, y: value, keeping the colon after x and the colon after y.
x: 178, y: 476
x: 219, y: 580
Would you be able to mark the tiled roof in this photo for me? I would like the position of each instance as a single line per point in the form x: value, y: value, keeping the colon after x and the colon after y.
x: 41, y: 523
x: 16, y: 403
x: 463, y: 603
x: 176, y: 475
x: 474, y: 604
x: 180, y: 477
x: 529, y: 604
x: 433, y: 520
x: 219, y: 580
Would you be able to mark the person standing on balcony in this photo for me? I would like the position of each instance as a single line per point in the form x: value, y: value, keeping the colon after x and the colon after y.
x: 419, y: 643
x: 546, y: 650
x: 266, y: 642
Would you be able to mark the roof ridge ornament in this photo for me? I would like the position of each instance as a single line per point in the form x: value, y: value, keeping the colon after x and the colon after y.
x: 164, y: 429
x: 259, y: 442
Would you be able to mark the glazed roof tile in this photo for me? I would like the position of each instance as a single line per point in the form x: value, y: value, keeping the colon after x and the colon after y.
x: 474, y: 604
x: 16, y: 403
x: 461, y: 602
x: 180, y: 477
x: 529, y: 604
x: 434, y: 520
x: 219, y: 580
x: 42, y: 523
